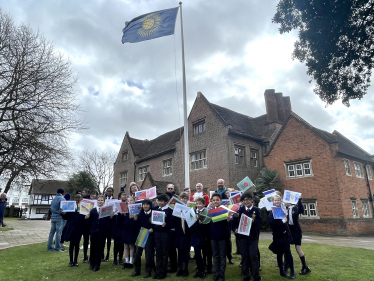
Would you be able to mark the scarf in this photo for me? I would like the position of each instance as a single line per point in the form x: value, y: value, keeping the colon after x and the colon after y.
x: 221, y: 192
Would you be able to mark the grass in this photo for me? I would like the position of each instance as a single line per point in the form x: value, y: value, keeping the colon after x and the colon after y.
x: 11, y: 218
x: 5, y: 228
x: 34, y: 262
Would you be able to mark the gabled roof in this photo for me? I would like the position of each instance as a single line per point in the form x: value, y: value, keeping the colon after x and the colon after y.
x: 349, y: 148
x: 47, y: 186
x: 145, y: 149
x: 345, y: 146
x: 242, y: 124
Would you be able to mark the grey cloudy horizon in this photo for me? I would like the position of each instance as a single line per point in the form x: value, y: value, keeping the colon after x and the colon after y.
x: 233, y: 54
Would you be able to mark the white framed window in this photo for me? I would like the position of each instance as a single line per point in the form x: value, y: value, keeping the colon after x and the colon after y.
x: 167, y: 167
x: 25, y: 200
x: 199, y: 128
x: 142, y: 172
x: 347, y: 167
x: 358, y: 170
x: 365, y: 208
x: 291, y: 171
x: 254, y: 157
x: 299, y: 169
x: 239, y: 155
x: 123, y: 178
x: 354, y: 209
x: 368, y: 172
x: 15, y: 200
x: 198, y: 160
x: 125, y: 156
x: 310, y: 208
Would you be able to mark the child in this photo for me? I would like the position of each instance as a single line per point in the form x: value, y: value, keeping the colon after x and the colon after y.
x: 98, y: 227
x: 219, y: 233
x: 249, y: 244
x: 144, y: 220
x: 281, y: 239
x: 162, y: 237
x: 74, y: 231
x: 199, y: 238
x: 129, y: 235
x: 117, y: 228
x: 296, y: 233
x: 86, y: 233
x: 182, y: 241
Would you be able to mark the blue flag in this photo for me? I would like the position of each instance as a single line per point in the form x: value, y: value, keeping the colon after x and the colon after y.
x: 150, y: 26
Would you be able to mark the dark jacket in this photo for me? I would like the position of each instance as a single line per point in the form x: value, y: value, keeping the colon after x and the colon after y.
x: 278, y: 227
x: 169, y: 220
x: 255, y: 215
x: 117, y: 225
x: 144, y: 220
x: 200, y: 234
x: 296, y: 211
x: 75, y: 226
x: 219, y: 230
x: 98, y: 225
x: 2, y: 207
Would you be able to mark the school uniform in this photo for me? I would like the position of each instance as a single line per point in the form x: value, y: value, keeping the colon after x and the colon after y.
x: 73, y: 232
x: 198, y: 240
x: 130, y: 230
x: 144, y: 220
x: 293, y: 213
x: 86, y: 235
x: 117, y: 228
x: 219, y: 233
x: 108, y: 237
x: 182, y: 243
x: 281, y: 242
x: 162, y: 241
x: 249, y: 244
x: 97, y: 235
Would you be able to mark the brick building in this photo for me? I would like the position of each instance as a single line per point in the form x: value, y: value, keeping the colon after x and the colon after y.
x: 229, y: 145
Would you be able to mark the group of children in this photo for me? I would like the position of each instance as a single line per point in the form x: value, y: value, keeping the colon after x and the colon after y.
x: 208, y: 240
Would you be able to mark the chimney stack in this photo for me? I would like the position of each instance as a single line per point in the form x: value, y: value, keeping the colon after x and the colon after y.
x: 278, y: 108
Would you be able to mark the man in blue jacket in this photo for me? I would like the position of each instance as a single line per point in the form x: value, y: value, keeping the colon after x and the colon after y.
x: 3, y: 202
x: 56, y: 222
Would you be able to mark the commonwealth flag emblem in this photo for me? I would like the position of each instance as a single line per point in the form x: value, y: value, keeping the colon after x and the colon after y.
x: 150, y: 26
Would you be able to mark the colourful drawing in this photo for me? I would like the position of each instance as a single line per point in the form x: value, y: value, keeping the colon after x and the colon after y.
x: 134, y: 208
x: 264, y: 203
x: 180, y: 209
x: 122, y: 207
x: 190, y: 217
x: 235, y: 199
x: 234, y: 208
x: 173, y: 200
x: 278, y: 213
x: 158, y: 217
x: 140, y: 195
x: 291, y: 197
x: 85, y: 208
x: 68, y: 206
x: 142, y: 237
x: 105, y: 211
x: 191, y: 204
x: 235, y: 192
x: 93, y: 202
x: 245, y: 225
x: 245, y: 184
x: 218, y: 214
x: 151, y: 193
x: 225, y: 202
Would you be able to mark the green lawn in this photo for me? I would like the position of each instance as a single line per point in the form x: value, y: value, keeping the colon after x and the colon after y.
x: 10, y: 219
x: 327, y: 262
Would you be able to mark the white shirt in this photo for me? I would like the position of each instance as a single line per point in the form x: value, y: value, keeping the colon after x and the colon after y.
x: 290, y: 220
x: 248, y: 209
x: 197, y: 195
x: 147, y: 213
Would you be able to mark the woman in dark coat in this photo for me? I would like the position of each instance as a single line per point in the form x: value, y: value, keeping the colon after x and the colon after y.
x: 281, y: 240
x: 129, y: 235
x: 73, y: 231
x: 117, y: 228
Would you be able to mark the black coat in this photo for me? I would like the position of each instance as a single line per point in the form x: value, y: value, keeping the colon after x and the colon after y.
x: 117, y: 225
x: 74, y: 227
x: 255, y: 214
x: 130, y: 230
x: 99, y: 225
x: 281, y: 238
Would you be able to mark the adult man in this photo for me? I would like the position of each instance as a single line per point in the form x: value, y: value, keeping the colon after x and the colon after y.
x: 56, y: 222
x: 199, y: 193
x: 172, y: 250
x: 170, y: 190
x: 3, y: 202
x: 221, y: 189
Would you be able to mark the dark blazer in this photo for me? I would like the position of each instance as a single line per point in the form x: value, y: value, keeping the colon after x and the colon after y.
x: 296, y: 211
x: 74, y: 227
x: 117, y: 225
x: 144, y: 220
x: 169, y: 220
x: 200, y: 234
x: 98, y: 225
x: 255, y: 214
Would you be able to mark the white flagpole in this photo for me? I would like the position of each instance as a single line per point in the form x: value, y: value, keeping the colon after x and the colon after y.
x: 186, y: 150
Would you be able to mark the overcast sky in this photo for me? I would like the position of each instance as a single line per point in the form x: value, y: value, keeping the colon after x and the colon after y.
x: 233, y: 53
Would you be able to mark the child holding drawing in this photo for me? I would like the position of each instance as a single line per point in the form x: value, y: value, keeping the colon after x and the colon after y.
x: 182, y: 241
x: 129, y: 234
x: 249, y: 240
x: 98, y: 228
x: 281, y: 239
x: 144, y: 220
x: 293, y: 223
x: 117, y: 228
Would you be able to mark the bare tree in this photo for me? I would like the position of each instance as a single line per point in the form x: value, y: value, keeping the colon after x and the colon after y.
x: 38, y: 109
x: 99, y: 165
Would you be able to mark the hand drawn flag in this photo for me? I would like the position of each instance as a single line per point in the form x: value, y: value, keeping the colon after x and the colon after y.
x: 234, y: 208
x: 140, y: 195
x: 173, y: 200
x: 190, y: 217
x: 158, y: 217
x: 245, y: 225
x: 151, y: 193
x: 278, y: 213
x: 142, y: 237
x: 150, y: 26
x: 245, y: 184
x: 218, y: 214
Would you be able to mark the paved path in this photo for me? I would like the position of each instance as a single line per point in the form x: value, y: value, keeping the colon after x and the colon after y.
x: 35, y: 231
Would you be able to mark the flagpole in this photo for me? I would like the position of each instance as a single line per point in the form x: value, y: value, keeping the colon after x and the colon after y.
x: 185, y: 133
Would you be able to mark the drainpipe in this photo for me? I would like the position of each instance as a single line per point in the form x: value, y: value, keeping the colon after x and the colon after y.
x: 368, y: 185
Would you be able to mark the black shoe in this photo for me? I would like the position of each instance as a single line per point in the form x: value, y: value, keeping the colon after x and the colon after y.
x: 286, y: 267
x: 76, y: 264
x: 135, y: 273
x: 237, y: 253
x: 85, y: 260
x: 305, y: 270
x: 120, y: 262
x: 231, y: 261
x: 179, y: 272
x: 71, y: 264
x: 292, y: 276
x: 147, y: 275
x: 130, y: 266
x: 209, y: 270
x: 186, y: 273
x: 96, y: 269
x: 91, y: 267
x: 115, y: 263
x: 215, y: 277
